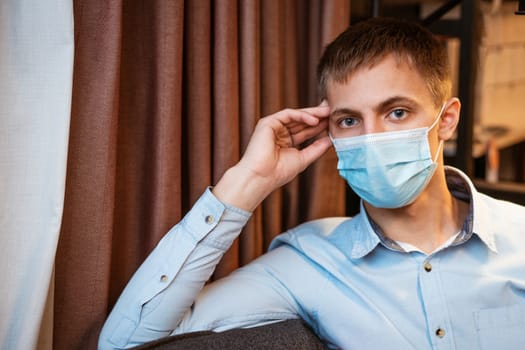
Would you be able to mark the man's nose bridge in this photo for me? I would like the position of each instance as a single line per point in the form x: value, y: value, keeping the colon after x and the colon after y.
x: 372, y: 126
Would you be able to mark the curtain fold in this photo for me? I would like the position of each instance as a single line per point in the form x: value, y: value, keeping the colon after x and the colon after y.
x: 36, y: 64
x: 225, y: 101
x: 251, y: 241
x: 83, y: 261
x: 166, y: 95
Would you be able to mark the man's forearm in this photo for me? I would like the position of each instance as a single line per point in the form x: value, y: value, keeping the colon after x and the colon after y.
x: 166, y: 284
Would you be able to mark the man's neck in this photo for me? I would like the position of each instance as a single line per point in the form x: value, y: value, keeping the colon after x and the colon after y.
x: 428, y: 222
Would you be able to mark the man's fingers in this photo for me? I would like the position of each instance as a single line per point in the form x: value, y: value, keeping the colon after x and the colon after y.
x: 321, y: 111
x: 292, y: 127
x: 308, y: 116
x: 307, y: 133
x: 315, y: 150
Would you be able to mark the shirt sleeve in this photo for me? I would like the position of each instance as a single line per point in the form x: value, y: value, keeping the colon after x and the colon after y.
x: 165, y: 286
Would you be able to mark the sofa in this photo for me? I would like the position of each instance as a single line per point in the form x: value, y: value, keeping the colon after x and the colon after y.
x: 283, y: 335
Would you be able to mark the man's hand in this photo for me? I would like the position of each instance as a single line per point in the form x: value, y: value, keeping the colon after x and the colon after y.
x: 274, y: 155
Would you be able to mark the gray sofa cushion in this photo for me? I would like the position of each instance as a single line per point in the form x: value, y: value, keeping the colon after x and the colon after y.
x: 285, y: 335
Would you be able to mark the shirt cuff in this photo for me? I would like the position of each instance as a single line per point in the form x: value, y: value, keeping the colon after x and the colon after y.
x: 206, y: 215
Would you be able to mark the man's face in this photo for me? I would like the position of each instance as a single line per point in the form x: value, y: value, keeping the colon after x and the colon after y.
x: 389, y: 96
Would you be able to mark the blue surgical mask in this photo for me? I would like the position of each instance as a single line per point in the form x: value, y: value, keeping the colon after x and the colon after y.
x: 388, y: 169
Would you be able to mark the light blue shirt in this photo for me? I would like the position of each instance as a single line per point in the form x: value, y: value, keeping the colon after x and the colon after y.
x: 356, y: 288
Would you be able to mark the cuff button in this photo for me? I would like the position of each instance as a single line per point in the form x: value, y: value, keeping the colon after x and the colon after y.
x: 440, y: 332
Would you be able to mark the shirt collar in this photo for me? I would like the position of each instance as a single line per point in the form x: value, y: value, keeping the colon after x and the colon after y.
x: 477, y: 221
x: 369, y: 235
x: 366, y: 238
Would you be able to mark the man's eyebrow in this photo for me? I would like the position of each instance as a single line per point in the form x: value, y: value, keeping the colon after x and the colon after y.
x: 381, y: 107
x: 396, y: 100
x: 344, y: 111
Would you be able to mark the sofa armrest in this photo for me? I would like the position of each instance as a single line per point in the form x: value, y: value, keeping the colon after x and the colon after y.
x: 284, y: 335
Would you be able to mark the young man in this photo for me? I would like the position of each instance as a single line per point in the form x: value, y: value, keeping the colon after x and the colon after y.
x: 429, y: 263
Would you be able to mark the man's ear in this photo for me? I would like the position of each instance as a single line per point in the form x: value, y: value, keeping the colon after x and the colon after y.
x: 449, y: 119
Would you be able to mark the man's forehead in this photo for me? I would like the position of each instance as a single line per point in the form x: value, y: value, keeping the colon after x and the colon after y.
x: 394, y: 75
x: 399, y: 60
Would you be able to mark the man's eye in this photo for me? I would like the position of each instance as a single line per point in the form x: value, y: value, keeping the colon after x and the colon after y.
x: 347, y: 122
x: 398, y: 113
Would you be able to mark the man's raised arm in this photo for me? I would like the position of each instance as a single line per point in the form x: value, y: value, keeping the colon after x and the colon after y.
x: 182, y: 262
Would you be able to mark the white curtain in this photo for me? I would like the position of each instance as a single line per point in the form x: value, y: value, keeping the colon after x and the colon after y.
x: 36, y: 65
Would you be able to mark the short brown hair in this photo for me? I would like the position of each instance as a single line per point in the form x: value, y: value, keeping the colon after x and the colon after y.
x: 366, y: 43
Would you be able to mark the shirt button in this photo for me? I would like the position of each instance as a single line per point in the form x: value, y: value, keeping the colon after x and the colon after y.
x: 163, y: 278
x: 427, y: 267
x: 440, y: 332
x: 209, y: 219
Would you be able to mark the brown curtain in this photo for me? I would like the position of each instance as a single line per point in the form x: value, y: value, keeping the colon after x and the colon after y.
x: 165, y: 97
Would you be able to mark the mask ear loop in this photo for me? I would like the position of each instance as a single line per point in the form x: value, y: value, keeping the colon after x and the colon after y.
x: 438, y: 117
x: 440, y: 147
x: 441, y: 142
